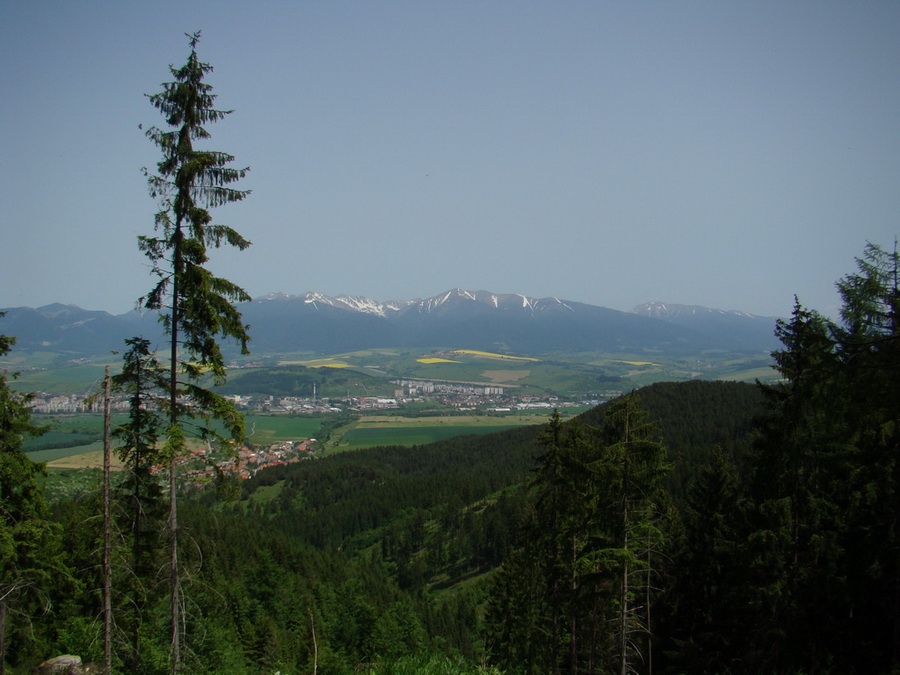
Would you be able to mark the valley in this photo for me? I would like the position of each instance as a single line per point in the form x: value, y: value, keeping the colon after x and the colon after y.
x: 377, y: 396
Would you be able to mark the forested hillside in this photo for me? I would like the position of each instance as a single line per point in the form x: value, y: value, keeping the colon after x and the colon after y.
x: 385, y: 553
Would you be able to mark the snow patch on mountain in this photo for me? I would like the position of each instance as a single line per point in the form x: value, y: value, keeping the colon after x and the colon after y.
x: 668, y: 311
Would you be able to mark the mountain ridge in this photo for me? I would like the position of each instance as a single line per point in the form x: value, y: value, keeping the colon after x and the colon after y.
x: 480, y: 319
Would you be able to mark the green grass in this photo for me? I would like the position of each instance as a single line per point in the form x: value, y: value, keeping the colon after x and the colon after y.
x: 266, y: 493
x: 58, y: 453
x: 266, y: 429
x: 67, y: 378
x: 69, y: 431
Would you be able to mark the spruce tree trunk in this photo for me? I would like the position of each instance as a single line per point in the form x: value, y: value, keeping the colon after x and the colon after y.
x: 107, y: 569
x: 174, y: 579
x: 137, y: 526
x: 623, y: 613
x: 573, y: 645
x: 2, y: 637
x: 173, y: 570
x: 647, y: 612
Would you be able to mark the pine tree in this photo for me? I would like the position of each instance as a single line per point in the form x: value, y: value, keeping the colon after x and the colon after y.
x: 869, y: 338
x: 30, y: 543
x: 197, y: 308
x: 629, y: 532
x: 797, y: 490
x: 139, y: 493
x: 577, y: 596
x: 704, y: 620
x: 823, y: 549
x: 534, y: 613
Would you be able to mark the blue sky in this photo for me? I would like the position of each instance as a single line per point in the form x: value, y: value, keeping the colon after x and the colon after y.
x: 727, y: 154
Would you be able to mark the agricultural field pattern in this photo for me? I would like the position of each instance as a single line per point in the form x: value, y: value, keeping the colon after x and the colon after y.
x: 572, y: 382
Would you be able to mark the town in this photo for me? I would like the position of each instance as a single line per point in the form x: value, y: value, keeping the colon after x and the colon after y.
x: 464, y: 397
x: 201, y: 467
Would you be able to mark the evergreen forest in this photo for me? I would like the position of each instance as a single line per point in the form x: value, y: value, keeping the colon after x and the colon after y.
x: 692, y: 527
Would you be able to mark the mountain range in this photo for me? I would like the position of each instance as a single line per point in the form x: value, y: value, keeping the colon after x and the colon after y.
x: 457, y: 318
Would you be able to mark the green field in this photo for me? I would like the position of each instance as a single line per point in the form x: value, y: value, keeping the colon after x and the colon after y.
x: 365, y: 437
x: 52, y: 454
x: 68, y: 431
x: 566, y: 374
x: 61, y: 376
x: 72, y: 436
x: 371, y: 430
x: 265, y: 429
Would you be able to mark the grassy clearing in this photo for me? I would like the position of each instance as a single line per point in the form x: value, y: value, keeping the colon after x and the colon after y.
x: 501, y: 376
x: 80, y: 459
x: 375, y: 421
x: 265, y: 429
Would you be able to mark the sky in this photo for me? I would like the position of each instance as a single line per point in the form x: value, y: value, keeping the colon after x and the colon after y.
x: 726, y: 154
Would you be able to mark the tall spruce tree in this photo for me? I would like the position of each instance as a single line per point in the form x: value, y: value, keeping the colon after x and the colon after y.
x: 869, y: 337
x: 197, y: 308
x: 30, y: 543
x: 535, y: 614
x: 797, y: 492
x: 704, y: 611
x: 630, y: 514
x: 139, y: 494
x: 823, y: 547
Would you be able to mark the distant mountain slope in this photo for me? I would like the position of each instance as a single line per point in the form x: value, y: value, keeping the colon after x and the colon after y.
x: 458, y: 318
x: 742, y: 330
x: 68, y: 328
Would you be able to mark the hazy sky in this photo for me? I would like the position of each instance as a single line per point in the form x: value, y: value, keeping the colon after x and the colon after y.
x: 727, y: 154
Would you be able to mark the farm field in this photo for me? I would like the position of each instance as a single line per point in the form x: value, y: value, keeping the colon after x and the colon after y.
x: 588, y: 374
x: 359, y: 432
x: 266, y: 429
x: 374, y: 430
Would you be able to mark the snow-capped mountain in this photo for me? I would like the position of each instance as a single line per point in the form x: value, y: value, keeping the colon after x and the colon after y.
x: 444, y: 301
x: 456, y: 318
x: 673, y: 312
x: 740, y: 329
x: 478, y: 320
